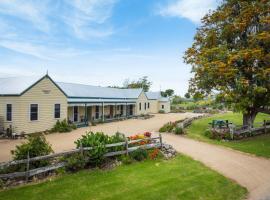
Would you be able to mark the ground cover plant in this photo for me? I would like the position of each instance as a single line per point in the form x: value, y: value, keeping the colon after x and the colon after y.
x: 178, y: 178
x: 258, y: 145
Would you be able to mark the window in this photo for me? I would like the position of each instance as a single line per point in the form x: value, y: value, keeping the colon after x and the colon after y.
x: 140, y: 105
x: 75, y: 113
x: 57, y: 111
x: 162, y: 106
x: 9, y: 112
x: 34, y: 112
x: 97, y: 112
x: 148, y: 105
x: 144, y: 106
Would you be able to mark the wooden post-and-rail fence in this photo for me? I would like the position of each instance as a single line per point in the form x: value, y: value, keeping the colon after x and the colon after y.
x: 155, y: 142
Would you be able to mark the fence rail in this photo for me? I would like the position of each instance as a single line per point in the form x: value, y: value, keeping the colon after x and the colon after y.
x: 156, y: 142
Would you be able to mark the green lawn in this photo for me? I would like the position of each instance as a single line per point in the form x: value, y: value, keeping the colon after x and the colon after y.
x: 259, y: 145
x: 179, y: 178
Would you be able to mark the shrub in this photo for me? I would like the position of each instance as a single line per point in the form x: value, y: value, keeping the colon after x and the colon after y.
x: 36, y: 146
x: 126, y: 160
x: 178, y: 130
x: 167, y: 127
x: 161, y: 111
x: 208, y: 134
x: 153, y: 154
x: 63, y: 127
x: 99, y: 140
x: 75, y: 162
x: 139, y: 154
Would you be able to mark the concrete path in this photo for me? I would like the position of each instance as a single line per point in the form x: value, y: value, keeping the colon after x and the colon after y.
x: 249, y: 171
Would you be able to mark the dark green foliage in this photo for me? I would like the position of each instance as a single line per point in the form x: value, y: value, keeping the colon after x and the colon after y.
x: 139, y: 154
x: 36, y: 146
x: 99, y: 140
x: 161, y: 112
x: 230, y: 57
x: 187, y: 95
x: 75, y: 162
x: 143, y: 83
x: 178, y: 131
x: 63, y: 126
x: 168, y: 127
x: 126, y: 160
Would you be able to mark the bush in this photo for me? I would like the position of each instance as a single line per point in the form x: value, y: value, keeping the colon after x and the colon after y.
x: 63, y: 127
x: 154, y: 153
x: 168, y: 127
x: 161, y: 111
x: 99, y: 140
x: 139, y: 154
x: 208, y: 134
x: 126, y: 160
x: 36, y: 146
x: 178, y: 131
x: 75, y: 162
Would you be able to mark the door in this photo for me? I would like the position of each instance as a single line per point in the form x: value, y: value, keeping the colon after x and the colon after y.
x: 75, y: 113
x: 131, y: 110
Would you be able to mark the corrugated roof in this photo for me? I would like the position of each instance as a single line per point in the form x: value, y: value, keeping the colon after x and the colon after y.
x: 156, y: 96
x: 153, y: 95
x: 89, y: 91
x: 16, y: 85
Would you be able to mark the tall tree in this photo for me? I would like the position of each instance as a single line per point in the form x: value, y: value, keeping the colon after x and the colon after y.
x: 187, y: 95
x: 167, y: 93
x: 141, y: 83
x: 231, y: 55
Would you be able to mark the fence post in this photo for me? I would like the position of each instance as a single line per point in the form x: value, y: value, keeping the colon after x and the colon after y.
x: 81, y: 148
x: 231, y: 131
x: 27, y: 167
x: 126, y: 146
x: 160, y: 140
x: 264, y: 124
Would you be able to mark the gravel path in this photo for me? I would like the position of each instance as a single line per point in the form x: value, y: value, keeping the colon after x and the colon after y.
x: 249, y: 171
x: 65, y: 141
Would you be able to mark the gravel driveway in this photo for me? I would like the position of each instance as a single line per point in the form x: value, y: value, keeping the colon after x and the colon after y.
x: 65, y: 141
x: 249, y: 171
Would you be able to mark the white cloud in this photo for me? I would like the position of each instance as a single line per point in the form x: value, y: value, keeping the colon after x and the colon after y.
x: 31, y: 11
x: 88, y: 18
x: 193, y: 10
x: 83, y: 19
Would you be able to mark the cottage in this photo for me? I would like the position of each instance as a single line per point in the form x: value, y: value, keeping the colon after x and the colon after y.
x: 31, y: 105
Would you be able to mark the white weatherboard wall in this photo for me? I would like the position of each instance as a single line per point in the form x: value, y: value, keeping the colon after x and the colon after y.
x: 153, y: 106
x: 166, y: 104
x: 142, y: 99
x: 45, y: 94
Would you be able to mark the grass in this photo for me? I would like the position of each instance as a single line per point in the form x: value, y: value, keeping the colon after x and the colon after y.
x: 259, y: 145
x: 179, y: 178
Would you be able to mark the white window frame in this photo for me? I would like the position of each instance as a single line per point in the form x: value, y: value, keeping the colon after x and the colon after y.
x: 30, y: 112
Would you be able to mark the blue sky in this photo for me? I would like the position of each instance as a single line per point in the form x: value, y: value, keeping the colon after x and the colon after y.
x: 100, y: 42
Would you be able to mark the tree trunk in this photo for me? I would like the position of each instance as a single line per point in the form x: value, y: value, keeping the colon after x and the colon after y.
x: 249, y: 117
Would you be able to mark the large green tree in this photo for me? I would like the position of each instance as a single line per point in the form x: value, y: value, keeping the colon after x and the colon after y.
x: 231, y: 56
